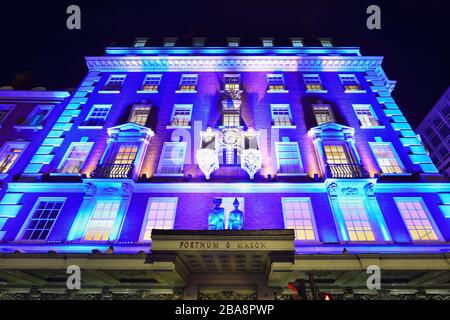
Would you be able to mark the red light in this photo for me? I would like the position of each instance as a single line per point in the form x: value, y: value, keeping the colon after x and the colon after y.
x: 292, y: 287
x: 327, y: 296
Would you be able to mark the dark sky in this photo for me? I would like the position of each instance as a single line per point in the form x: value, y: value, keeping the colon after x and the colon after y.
x: 414, y: 36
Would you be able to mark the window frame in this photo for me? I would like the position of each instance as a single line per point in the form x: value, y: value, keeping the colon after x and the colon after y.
x: 273, y: 106
x: 160, y: 164
x: 103, y: 90
x: 25, y: 225
x: 394, y: 152
x: 435, y: 227
x: 301, y: 171
x: 4, y: 107
x: 91, y: 214
x: 133, y: 109
x: 355, y: 79
x: 174, y: 109
x: 66, y: 155
x: 6, y: 144
x: 109, y: 106
x: 147, y: 215
x: 373, y: 114
x: 187, y: 75
x: 330, y: 110
x: 273, y: 75
x: 284, y: 200
x: 146, y: 77
x: 37, y: 108
x: 314, y: 75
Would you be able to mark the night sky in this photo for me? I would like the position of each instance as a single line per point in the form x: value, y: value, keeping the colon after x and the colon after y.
x: 414, y: 38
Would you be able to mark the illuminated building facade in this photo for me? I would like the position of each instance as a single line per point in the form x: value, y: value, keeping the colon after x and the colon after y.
x: 226, y: 172
x: 435, y: 133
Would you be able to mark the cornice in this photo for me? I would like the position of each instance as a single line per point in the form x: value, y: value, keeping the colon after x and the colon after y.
x: 231, y: 63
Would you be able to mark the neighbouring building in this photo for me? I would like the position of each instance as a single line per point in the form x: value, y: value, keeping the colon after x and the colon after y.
x: 435, y: 133
x: 201, y: 172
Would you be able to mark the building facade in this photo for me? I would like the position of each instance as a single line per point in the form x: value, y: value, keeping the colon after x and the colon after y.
x: 435, y: 133
x: 226, y: 172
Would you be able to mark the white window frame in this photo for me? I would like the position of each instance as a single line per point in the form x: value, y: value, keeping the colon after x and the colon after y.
x: 147, y: 215
x: 172, y: 117
x: 316, y: 76
x: 188, y: 75
x: 297, y: 42
x: 273, y: 75
x: 119, y: 202
x: 12, y: 144
x: 6, y: 107
x: 397, y: 158
x: 160, y: 163
x: 66, y: 155
x: 143, y: 106
x: 330, y: 111
x: 109, y: 106
x: 111, y: 76
x: 140, y: 42
x: 230, y: 76
x: 355, y: 79
x: 372, y: 112
x: 267, y: 42
x: 169, y: 42
x: 300, y: 163
x: 286, y: 106
x: 285, y: 200
x: 153, y: 76
x: 26, y: 224
x: 374, y: 227
x: 435, y: 227
x: 326, y: 43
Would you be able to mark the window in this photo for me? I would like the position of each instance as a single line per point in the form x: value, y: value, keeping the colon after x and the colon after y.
x: 231, y: 82
x: 231, y: 119
x: 387, y: 158
x: 366, y: 115
x: 418, y: 220
x: 275, y: 83
x: 42, y: 219
x: 10, y: 153
x: 169, y: 42
x: 356, y: 220
x: 151, y: 83
x: 281, y: 115
x: 139, y: 114
x: 267, y: 42
x: 313, y: 82
x: 350, y: 82
x: 75, y: 157
x: 37, y: 117
x: 101, y: 223
x: 227, y: 205
x: 233, y: 42
x: 336, y: 154
x: 297, y: 42
x: 97, y: 116
x: 140, y: 42
x: 114, y: 83
x: 288, y: 158
x: 188, y: 83
x: 181, y: 116
x: 172, y: 158
x: 323, y: 113
x: 126, y: 153
x: 5, y: 109
x: 160, y: 214
x: 298, y: 215
x: 326, y: 42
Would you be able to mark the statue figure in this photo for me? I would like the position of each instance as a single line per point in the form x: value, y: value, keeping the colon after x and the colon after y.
x: 216, y: 218
x: 236, y: 218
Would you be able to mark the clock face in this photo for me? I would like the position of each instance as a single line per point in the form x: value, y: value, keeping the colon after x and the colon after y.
x: 231, y: 138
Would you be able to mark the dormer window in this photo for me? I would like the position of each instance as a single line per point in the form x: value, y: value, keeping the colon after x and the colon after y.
x: 140, y: 42
x: 267, y: 42
x: 233, y: 42
x: 297, y: 42
x: 326, y: 42
x: 169, y: 42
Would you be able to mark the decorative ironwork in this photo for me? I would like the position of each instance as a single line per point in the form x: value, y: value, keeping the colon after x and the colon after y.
x: 348, y: 170
x: 124, y: 171
x: 251, y: 161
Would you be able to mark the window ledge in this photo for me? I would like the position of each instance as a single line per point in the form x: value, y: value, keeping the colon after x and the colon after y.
x: 3, y: 175
x: 186, y: 91
x: 300, y: 174
x: 25, y: 127
x: 406, y: 174
x: 277, y: 91
x: 178, y: 127
x: 231, y: 127
x: 372, y: 127
x: 90, y: 127
x: 284, y: 127
x: 168, y: 175
x: 355, y: 91
x: 316, y: 91
x: 146, y: 91
x: 109, y: 91
x: 58, y: 174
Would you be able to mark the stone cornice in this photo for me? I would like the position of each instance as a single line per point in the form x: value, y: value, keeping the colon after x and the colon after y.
x: 232, y: 63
